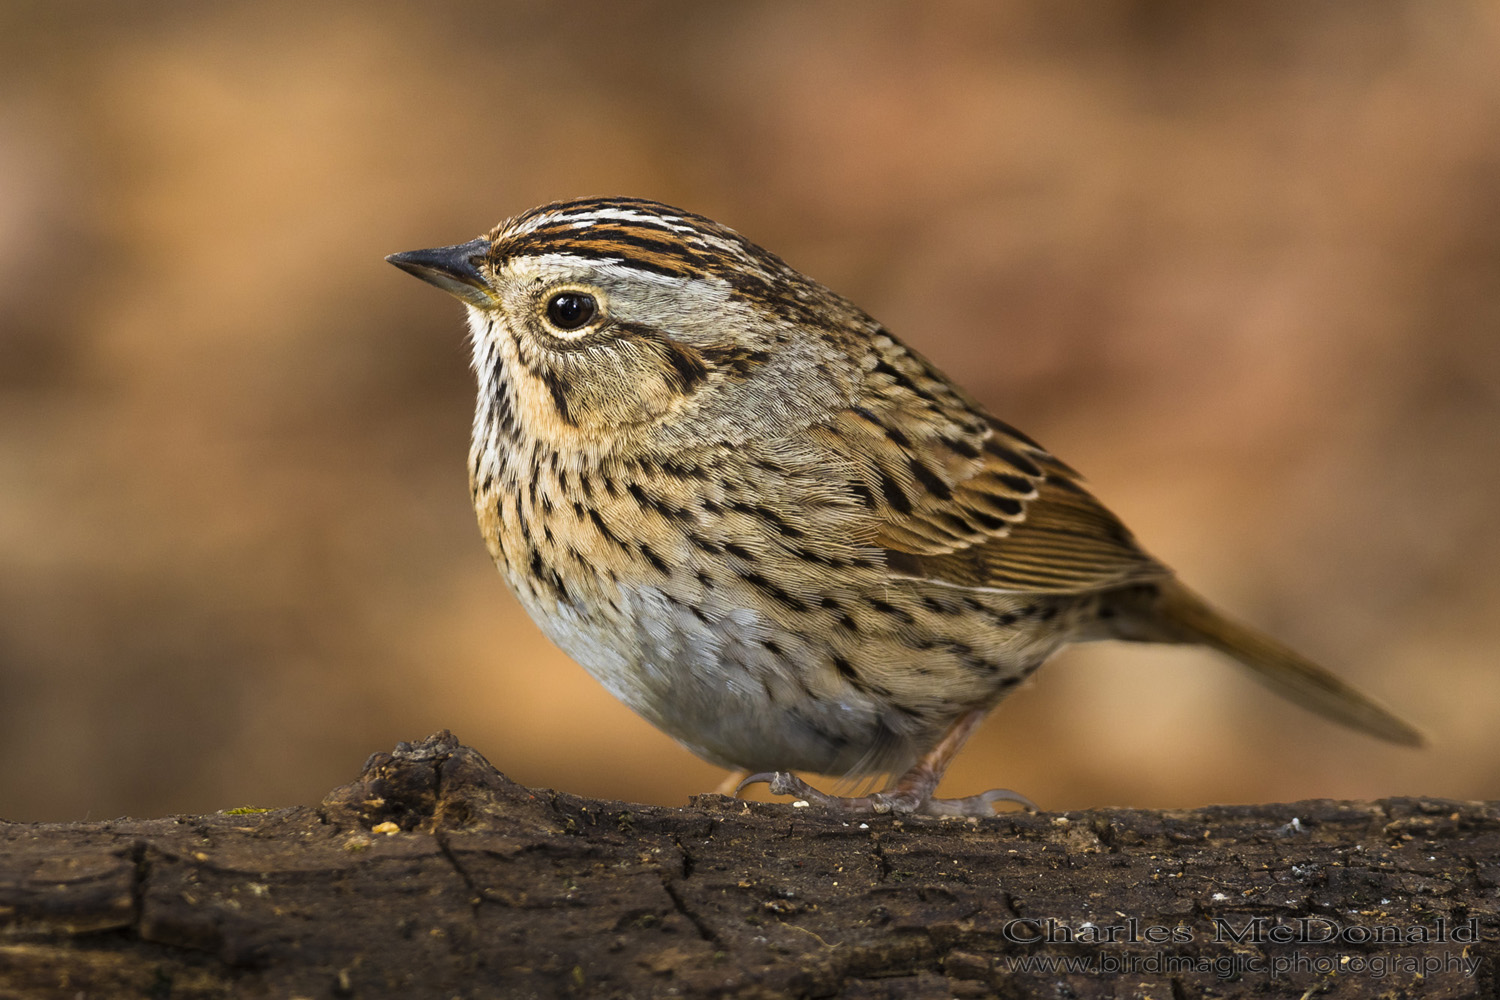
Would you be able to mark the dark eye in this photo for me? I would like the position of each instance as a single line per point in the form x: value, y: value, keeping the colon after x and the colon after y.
x: 571, y: 310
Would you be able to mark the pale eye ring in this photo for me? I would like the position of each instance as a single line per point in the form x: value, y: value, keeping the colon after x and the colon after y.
x: 572, y: 310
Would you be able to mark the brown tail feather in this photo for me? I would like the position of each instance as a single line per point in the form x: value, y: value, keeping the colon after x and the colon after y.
x: 1179, y: 615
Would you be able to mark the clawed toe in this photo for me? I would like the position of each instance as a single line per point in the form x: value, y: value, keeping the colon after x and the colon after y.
x: 982, y: 804
x: 906, y: 801
x: 787, y: 783
x: 770, y: 778
x: 899, y: 800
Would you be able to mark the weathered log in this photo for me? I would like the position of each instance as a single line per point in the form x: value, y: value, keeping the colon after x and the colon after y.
x: 433, y: 875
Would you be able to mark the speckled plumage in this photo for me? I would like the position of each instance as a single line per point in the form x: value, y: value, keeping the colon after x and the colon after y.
x: 767, y: 525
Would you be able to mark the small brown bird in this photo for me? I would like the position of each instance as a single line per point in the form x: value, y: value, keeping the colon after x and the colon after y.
x: 771, y: 528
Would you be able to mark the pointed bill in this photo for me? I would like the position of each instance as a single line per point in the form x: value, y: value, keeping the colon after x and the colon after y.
x: 453, y: 269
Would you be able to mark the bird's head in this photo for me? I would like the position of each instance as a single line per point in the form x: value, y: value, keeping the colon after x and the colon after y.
x: 611, y: 318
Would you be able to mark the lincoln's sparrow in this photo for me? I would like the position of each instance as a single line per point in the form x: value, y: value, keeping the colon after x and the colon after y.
x: 770, y: 527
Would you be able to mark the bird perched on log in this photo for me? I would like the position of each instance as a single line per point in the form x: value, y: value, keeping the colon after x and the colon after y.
x: 773, y: 529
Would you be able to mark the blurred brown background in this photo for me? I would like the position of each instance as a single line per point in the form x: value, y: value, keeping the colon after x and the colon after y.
x: 1238, y: 263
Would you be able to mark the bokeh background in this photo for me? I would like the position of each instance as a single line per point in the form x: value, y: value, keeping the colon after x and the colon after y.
x: 1238, y: 263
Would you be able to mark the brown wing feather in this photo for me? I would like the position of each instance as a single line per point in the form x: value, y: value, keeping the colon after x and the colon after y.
x: 967, y: 499
x: 1065, y: 542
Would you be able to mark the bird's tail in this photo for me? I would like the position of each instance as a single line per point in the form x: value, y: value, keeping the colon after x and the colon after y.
x: 1178, y: 615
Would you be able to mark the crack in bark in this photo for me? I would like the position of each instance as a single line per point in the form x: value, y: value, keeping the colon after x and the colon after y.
x: 139, y: 876
x: 477, y: 895
x: 884, y: 863
x: 688, y: 864
x: 679, y: 904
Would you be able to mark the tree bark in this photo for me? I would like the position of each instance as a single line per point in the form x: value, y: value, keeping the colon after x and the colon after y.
x: 433, y: 875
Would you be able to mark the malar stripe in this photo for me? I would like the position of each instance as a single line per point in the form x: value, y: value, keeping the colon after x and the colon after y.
x: 559, y: 394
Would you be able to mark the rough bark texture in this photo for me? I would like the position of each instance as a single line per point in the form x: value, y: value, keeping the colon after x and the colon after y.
x: 483, y: 888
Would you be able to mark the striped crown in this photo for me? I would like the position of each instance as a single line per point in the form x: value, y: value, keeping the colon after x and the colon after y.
x: 641, y: 234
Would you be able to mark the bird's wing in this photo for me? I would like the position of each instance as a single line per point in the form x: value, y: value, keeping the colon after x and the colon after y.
x: 961, y: 497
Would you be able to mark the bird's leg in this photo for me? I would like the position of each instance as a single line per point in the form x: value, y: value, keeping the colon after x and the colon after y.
x: 732, y: 783
x: 912, y: 792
